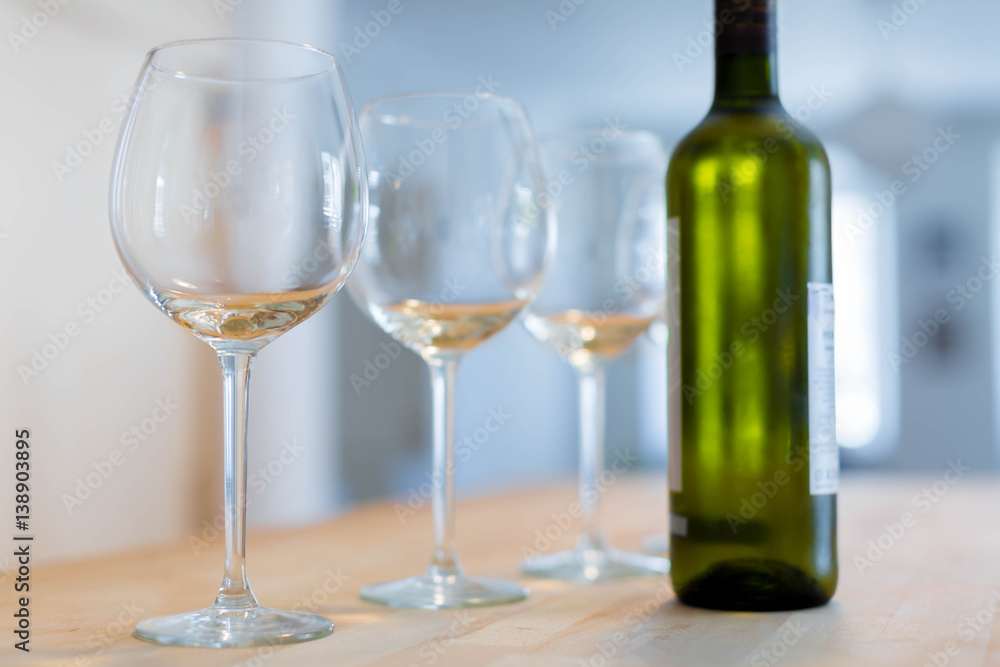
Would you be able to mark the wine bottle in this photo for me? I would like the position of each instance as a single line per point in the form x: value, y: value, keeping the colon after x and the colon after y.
x: 753, y: 452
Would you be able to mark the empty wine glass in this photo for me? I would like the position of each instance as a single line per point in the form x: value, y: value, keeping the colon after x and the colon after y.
x: 238, y: 206
x: 606, y: 285
x: 457, y: 248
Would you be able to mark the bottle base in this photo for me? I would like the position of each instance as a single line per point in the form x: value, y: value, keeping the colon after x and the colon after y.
x: 754, y: 585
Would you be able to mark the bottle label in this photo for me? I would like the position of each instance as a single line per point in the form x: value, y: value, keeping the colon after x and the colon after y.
x: 678, y: 525
x: 824, y: 457
x: 673, y: 355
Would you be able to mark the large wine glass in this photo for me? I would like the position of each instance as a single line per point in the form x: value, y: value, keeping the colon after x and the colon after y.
x: 458, y: 247
x: 606, y: 286
x: 238, y: 206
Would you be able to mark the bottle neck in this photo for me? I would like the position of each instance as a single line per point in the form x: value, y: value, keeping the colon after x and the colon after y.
x: 745, y: 56
x: 745, y: 78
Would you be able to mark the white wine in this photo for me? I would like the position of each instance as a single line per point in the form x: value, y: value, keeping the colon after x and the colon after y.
x: 242, y: 317
x: 432, y: 328
x: 582, y: 337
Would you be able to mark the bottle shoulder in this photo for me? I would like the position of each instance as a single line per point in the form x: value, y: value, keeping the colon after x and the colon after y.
x: 736, y: 131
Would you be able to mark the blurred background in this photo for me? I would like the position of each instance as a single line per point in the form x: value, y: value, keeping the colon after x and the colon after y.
x: 124, y: 408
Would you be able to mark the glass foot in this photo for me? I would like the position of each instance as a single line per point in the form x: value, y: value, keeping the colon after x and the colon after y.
x: 656, y: 544
x: 454, y: 591
x: 587, y: 566
x: 226, y: 628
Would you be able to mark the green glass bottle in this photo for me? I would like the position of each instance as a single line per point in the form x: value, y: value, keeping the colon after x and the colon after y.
x: 753, y: 453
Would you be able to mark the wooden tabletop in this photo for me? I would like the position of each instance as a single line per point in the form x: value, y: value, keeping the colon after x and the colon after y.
x: 917, y: 594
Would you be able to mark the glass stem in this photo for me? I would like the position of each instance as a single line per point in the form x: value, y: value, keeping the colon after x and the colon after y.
x: 235, y: 591
x: 592, y: 383
x: 445, y: 562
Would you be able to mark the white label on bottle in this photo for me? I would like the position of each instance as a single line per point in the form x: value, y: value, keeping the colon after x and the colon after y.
x: 824, y: 457
x: 673, y: 355
x: 678, y: 525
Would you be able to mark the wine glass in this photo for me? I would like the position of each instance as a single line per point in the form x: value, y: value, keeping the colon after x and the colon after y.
x: 658, y: 334
x: 606, y: 286
x: 238, y: 206
x: 658, y: 543
x: 458, y: 247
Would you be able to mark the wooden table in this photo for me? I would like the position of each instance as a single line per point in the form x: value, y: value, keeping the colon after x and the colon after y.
x: 917, y: 602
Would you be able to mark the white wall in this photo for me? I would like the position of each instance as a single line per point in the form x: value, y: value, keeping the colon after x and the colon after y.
x: 63, y: 91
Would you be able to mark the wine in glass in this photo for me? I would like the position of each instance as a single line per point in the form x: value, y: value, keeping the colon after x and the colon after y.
x: 238, y: 206
x: 457, y: 248
x: 605, y: 287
